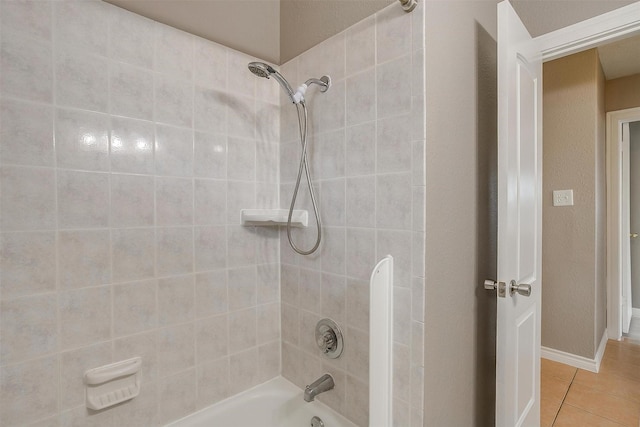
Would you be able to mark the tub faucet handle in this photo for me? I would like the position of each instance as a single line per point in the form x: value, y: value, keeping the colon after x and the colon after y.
x: 329, y: 338
x: 327, y: 341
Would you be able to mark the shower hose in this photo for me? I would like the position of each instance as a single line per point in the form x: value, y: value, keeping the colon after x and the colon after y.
x: 304, y: 165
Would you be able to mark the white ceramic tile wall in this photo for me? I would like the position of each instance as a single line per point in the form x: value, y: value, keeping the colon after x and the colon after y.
x: 367, y: 157
x: 127, y: 150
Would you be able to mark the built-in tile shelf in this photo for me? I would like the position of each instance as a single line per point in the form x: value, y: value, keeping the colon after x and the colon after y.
x: 273, y: 217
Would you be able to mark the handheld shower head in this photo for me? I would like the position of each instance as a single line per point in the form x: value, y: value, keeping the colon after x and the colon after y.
x: 261, y: 69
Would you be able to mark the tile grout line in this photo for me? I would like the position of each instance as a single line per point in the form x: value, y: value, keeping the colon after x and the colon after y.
x: 566, y: 393
x: 589, y: 411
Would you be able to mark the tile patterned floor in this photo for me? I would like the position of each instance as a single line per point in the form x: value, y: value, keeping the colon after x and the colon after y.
x: 577, y: 398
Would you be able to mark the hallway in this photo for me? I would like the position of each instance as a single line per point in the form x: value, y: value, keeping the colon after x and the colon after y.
x: 574, y: 397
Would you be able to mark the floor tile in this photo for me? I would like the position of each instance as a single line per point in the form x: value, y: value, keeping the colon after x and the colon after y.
x: 556, y: 369
x: 624, y: 352
x: 571, y: 416
x: 622, y: 411
x: 609, y: 383
x: 548, y: 410
x: 610, y: 398
x: 620, y: 369
x: 553, y: 388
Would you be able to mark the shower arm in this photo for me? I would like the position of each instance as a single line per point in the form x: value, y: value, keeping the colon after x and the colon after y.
x: 324, y: 82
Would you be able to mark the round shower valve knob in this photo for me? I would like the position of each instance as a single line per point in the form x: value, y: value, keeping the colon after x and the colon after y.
x: 329, y: 338
x: 327, y: 341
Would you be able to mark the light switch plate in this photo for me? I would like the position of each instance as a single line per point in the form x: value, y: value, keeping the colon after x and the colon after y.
x: 563, y: 198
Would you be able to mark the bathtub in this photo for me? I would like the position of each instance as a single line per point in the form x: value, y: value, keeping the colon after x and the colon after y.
x: 276, y: 403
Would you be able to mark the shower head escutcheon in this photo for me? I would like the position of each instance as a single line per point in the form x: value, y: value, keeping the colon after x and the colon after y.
x: 261, y: 69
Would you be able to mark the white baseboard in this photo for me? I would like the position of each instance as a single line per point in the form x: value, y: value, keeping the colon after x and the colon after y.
x: 592, y: 365
x: 601, y: 348
x: 635, y: 312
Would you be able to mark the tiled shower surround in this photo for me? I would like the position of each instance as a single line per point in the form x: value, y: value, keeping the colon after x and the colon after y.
x: 128, y: 148
x: 367, y: 157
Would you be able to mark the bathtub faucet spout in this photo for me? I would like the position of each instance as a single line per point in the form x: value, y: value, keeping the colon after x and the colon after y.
x: 322, y: 384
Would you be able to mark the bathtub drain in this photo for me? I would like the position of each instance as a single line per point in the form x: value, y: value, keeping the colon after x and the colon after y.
x: 316, y: 422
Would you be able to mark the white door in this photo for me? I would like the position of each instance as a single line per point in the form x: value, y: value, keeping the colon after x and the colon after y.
x: 519, y: 223
x: 626, y: 227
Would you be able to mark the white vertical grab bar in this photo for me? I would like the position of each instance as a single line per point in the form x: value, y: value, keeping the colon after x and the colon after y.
x: 381, y: 344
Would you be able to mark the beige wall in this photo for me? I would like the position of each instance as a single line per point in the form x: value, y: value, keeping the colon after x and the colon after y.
x: 305, y: 23
x: 543, y: 16
x: 250, y: 26
x: 623, y: 93
x: 573, y: 256
x: 461, y: 213
x: 278, y: 30
x: 461, y: 204
x: 275, y: 30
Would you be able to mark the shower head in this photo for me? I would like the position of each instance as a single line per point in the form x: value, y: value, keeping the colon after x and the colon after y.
x: 261, y: 69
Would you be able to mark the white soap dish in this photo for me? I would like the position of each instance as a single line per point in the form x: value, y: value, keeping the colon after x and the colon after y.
x: 112, y: 384
x: 266, y: 217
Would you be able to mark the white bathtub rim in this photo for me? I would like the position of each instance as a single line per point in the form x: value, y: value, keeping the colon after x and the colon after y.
x: 278, y: 381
